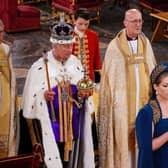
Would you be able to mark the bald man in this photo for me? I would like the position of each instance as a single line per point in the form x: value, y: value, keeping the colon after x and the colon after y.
x: 128, y: 61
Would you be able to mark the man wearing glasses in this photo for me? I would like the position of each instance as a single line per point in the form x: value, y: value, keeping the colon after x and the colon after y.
x: 124, y: 88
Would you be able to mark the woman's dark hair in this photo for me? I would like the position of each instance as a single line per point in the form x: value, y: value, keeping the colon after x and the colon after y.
x: 159, y: 79
x: 83, y: 13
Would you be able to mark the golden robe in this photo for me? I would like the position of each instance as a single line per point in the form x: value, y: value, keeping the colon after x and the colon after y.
x: 117, y: 100
x: 7, y: 103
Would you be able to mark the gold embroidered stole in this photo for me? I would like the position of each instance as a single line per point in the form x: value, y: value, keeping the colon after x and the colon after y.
x: 140, y: 60
x: 4, y: 102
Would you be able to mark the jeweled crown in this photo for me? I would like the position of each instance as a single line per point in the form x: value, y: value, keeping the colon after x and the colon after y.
x: 62, y: 32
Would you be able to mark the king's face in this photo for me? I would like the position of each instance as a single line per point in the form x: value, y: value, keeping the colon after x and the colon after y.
x: 62, y: 51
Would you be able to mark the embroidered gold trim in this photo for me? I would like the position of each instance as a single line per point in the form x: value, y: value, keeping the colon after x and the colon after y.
x: 135, y: 59
x: 82, y: 52
x: 4, y: 62
x: 65, y: 120
x: 60, y: 111
x: 68, y: 143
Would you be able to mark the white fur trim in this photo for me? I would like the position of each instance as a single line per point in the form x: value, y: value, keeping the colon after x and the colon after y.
x: 54, y: 41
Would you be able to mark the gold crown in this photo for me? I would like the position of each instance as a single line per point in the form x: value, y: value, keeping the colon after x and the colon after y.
x: 62, y: 32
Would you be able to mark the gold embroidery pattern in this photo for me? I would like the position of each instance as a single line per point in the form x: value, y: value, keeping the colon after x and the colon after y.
x: 135, y: 59
x: 78, y: 49
x: 3, y: 145
x: 4, y: 62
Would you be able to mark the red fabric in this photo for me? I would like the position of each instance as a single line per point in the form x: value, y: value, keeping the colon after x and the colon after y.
x: 83, y: 1
x: 27, y: 11
x: 93, y: 60
x: 14, y: 19
x: 78, y: 3
x: 161, y: 5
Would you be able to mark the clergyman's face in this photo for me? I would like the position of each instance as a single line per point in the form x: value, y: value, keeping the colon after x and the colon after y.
x: 62, y: 51
x: 133, y: 24
x: 81, y: 24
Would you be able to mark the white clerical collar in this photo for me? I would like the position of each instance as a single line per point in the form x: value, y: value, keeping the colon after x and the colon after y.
x: 133, y: 44
x: 80, y: 34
